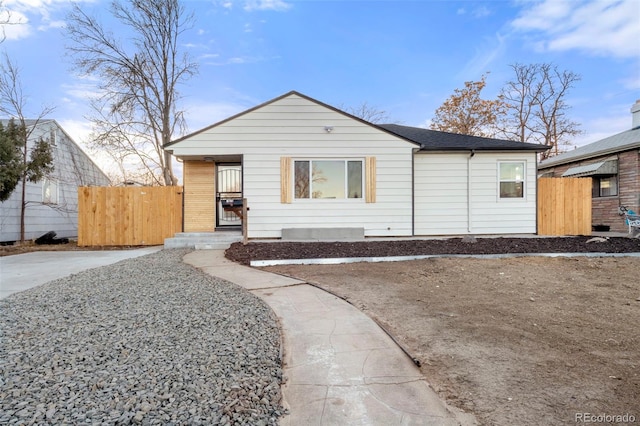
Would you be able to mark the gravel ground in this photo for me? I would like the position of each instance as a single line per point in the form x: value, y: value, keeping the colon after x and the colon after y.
x: 149, y: 340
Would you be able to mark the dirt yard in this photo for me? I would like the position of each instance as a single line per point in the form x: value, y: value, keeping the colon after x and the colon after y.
x: 514, y: 341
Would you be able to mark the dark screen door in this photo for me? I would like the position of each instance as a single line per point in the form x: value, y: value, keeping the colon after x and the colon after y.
x: 229, y: 187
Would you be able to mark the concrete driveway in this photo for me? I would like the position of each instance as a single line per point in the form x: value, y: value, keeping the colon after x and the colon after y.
x: 23, y: 271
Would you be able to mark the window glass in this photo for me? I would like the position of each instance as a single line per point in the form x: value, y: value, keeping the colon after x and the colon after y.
x: 49, y: 191
x: 511, y: 190
x: 512, y: 180
x: 328, y: 179
x: 606, y: 186
x: 302, y: 179
x: 354, y: 171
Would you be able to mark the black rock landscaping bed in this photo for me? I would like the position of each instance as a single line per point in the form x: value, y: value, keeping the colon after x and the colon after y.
x: 311, y: 250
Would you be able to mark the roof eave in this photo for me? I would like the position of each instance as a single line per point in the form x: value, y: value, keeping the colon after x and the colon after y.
x: 491, y: 149
x: 614, y: 150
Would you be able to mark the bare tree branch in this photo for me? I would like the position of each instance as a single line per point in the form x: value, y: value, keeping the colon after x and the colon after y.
x: 139, y: 82
x: 368, y: 113
x: 535, y: 102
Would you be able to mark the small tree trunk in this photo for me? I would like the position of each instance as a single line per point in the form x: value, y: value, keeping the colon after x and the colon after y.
x: 23, y: 203
x: 23, y: 206
x: 169, y: 178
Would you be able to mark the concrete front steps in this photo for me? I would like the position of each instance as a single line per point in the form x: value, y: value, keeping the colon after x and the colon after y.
x: 220, y: 240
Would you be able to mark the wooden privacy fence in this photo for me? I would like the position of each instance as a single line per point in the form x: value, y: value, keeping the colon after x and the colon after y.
x: 564, y: 206
x: 128, y: 216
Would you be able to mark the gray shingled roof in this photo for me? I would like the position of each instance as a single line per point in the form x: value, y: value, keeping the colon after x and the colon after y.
x: 624, y: 141
x: 433, y: 140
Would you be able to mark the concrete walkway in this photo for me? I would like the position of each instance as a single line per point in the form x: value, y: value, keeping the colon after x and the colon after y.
x: 341, y: 368
x: 23, y: 271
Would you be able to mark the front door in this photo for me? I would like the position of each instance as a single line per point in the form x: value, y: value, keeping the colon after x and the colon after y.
x: 228, y: 194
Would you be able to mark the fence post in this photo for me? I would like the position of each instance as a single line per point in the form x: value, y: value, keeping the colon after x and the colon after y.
x: 245, y: 219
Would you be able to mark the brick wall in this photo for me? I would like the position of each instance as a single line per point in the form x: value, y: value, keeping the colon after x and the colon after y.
x: 605, y: 209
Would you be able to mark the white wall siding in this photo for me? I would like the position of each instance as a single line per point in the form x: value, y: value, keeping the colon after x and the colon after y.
x: 73, y: 168
x: 458, y: 194
x: 295, y: 127
x: 441, y: 194
x: 489, y: 213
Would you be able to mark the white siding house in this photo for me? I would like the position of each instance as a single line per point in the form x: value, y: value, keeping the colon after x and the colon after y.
x: 305, y: 165
x: 52, y: 203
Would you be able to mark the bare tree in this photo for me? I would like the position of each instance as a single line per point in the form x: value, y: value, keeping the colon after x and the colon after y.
x: 466, y: 113
x: 536, y: 107
x: 368, y: 113
x: 136, y: 111
x: 36, y: 162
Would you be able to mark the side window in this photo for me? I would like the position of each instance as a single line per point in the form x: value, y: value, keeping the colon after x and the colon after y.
x: 49, y: 191
x: 605, y: 186
x: 511, y: 179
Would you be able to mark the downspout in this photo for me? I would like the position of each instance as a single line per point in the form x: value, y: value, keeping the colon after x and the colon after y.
x: 413, y: 192
x: 536, y: 188
x: 469, y: 215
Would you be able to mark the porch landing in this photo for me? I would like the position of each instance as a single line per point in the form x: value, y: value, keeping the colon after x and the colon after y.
x: 219, y: 240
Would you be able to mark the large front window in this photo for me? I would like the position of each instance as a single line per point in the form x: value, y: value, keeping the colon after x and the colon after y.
x: 511, y: 179
x: 328, y: 179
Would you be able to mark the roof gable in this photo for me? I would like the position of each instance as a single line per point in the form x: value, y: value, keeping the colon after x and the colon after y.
x: 276, y: 100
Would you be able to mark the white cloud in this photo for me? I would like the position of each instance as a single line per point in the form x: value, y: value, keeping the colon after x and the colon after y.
x: 490, y: 49
x: 276, y: 5
x: 27, y: 15
x: 478, y: 12
x: 17, y: 26
x: 84, y: 89
x: 234, y: 60
x: 238, y: 60
x: 201, y: 114
x: 52, y: 24
x: 481, y: 12
x: 209, y: 56
x: 601, y: 27
x: 603, y: 128
x: 79, y: 130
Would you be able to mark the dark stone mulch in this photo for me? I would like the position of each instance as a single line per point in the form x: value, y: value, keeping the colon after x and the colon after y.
x: 309, y: 250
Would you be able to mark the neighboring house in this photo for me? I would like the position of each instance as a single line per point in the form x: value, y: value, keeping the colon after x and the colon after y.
x: 308, y: 169
x: 613, y: 163
x: 52, y: 203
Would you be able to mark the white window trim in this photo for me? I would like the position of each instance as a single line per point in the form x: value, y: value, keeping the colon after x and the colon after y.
x: 524, y: 182
x: 310, y: 199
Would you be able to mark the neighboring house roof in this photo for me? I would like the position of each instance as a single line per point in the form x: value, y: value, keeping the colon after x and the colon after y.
x: 433, y: 140
x: 42, y: 121
x: 624, y: 141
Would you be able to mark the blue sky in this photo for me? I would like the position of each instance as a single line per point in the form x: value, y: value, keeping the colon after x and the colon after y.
x: 403, y: 57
